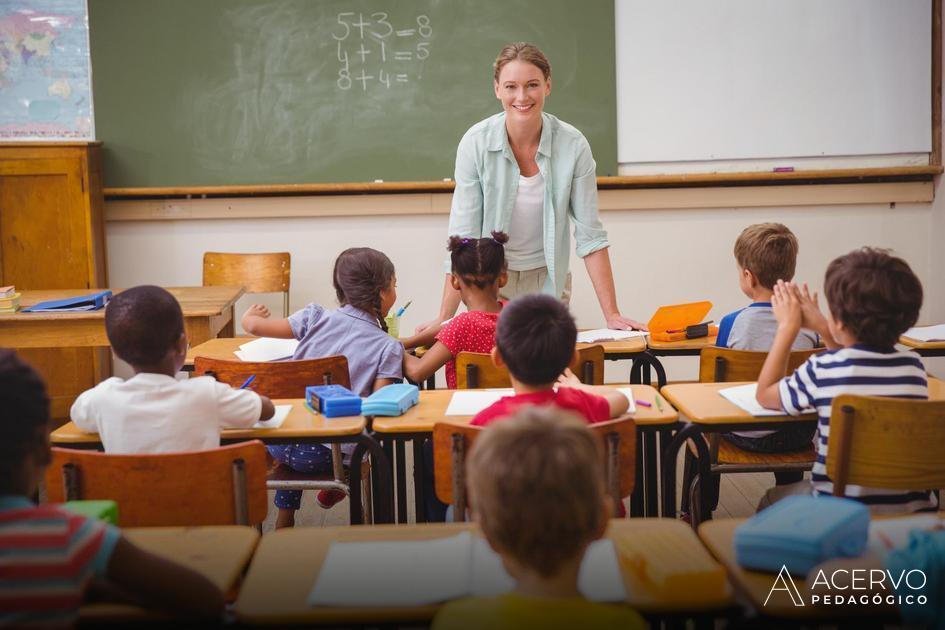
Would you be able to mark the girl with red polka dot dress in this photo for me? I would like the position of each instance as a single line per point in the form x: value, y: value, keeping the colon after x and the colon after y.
x: 478, y: 272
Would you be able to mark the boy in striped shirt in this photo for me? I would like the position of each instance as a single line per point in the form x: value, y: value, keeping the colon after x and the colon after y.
x: 50, y: 557
x: 873, y: 298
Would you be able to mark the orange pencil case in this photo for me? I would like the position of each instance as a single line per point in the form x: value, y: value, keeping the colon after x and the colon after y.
x: 669, y: 323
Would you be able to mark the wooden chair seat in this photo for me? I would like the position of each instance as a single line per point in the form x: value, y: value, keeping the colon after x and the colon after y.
x: 731, y: 454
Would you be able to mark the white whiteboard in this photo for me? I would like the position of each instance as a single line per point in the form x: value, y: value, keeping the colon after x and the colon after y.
x: 723, y: 80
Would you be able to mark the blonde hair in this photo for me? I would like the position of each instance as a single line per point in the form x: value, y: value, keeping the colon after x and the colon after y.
x: 536, y: 485
x: 526, y: 52
x: 768, y: 250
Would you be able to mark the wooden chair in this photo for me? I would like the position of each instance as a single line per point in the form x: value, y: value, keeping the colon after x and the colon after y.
x: 451, y: 444
x: 888, y: 443
x: 477, y: 371
x: 256, y: 273
x: 719, y: 365
x: 288, y: 379
x: 223, y: 486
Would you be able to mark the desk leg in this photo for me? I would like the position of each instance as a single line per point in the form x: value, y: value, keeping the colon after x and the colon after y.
x: 431, y: 382
x: 419, y: 498
x: 381, y: 472
x: 638, y: 495
x: 649, y: 453
x: 401, y: 472
x: 669, y: 466
x: 229, y: 329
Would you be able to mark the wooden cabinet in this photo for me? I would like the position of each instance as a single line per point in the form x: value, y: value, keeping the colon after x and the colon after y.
x: 52, y: 236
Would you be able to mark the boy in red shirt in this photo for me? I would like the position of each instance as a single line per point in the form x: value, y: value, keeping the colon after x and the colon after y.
x: 535, y: 340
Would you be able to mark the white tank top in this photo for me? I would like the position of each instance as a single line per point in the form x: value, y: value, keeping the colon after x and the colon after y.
x: 524, y: 250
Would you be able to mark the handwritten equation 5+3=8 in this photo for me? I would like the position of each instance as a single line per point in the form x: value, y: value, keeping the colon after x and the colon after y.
x: 390, y: 44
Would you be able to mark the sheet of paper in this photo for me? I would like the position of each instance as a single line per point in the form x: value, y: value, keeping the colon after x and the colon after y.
x: 267, y: 349
x: 888, y: 534
x: 599, y: 580
x: 743, y: 397
x: 282, y: 412
x: 926, y: 333
x: 628, y: 393
x: 472, y: 401
x: 606, y: 334
x: 394, y: 573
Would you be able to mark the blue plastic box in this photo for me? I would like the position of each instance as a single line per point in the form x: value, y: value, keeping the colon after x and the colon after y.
x: 333, y: 401
x: 392, y: 400
x: 800, y: 532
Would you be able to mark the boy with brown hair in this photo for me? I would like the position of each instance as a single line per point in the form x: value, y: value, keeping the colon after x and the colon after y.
x: 536, y: 487
x: 873, y: 298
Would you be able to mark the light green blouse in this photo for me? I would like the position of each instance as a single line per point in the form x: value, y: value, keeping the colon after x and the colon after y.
x: 487, y: 178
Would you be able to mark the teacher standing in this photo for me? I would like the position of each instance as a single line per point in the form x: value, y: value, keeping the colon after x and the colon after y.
x: 526, y: 173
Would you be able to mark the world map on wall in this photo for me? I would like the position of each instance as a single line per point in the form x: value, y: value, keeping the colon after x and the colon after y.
x: 45, y: 86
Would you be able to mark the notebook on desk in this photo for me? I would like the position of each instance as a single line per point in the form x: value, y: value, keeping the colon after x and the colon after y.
x: 90, y: 302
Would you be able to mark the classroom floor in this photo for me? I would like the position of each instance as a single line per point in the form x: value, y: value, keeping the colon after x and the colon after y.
x: 740, y: 494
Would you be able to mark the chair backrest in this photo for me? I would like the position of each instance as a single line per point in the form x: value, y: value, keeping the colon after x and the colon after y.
x: 720, y: 365
x: 451, y: 444
x: 277, y: 379
x: 887, y: 443
x: 223, y: 486
x: 475, y: 370
x: 256, y: 273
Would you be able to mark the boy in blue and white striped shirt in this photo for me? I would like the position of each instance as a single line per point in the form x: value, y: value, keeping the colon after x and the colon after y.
x: 873, y: 298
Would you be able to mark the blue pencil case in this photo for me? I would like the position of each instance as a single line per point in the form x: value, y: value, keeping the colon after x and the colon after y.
x: 91, y: 302
x: 392, y: 400
x: 333, y: 401
x: 800, y: 532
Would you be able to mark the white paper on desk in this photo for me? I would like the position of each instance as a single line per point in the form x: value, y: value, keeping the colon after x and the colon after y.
x: 394, y: 573
x: 926, y: 333
x: 267, y: 349
x: 890, y: 533
x: 743, y: 397
x: 599, y: 580
x: 606, y: 334
x: 628, y: 394
x: 471, y: 402
x: 282, y: 412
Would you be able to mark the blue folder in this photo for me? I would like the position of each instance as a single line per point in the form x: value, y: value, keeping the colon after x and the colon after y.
x: 91, y: 302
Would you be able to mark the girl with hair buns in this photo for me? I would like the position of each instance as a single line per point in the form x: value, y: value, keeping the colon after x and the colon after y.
x: 477, y: 274
x: 526, y: 173
x: 366, y: 288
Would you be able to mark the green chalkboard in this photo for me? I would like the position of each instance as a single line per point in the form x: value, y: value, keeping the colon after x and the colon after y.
x: 243, y: 92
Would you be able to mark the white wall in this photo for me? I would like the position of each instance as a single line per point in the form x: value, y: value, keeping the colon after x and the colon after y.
x: 659, y: 256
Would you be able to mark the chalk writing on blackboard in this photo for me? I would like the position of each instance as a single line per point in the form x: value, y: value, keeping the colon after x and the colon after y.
x: 371, y: 51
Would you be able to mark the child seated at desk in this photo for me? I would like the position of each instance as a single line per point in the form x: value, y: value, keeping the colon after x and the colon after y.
x: 873, y: 298
x: 52, y: 558
x: 152, y: 412
x: 478, y: 272
x: 366, y: 287
x: 535, y: 340
x: 536, y: 487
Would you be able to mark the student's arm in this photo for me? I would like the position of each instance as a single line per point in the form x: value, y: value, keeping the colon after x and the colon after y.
x: 267, y: 409
x: 787, y: 312
x: 420, y: 369
x: 163, y: 585
x: 383, y: 382
x: 256, y: 321
x: 617, y: 402
x: 812, y: 318
x: 424, y: 337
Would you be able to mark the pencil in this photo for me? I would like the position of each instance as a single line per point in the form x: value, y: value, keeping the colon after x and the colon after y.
x: 659, y: 403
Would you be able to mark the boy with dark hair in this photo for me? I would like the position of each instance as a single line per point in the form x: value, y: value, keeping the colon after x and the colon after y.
x: 535, y: 340
x: 152, y: 412
x: 873, y: 298
x: 50, y: 556
x: 536, y: 486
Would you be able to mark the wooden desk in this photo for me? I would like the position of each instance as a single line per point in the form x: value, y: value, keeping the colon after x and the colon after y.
x: 924, y: 348
x: 288, y: 562
x: 220, y: 553
x: 686, y: 347
x: 208, y: 311
x: 301, y: 425
x: 417, y: 425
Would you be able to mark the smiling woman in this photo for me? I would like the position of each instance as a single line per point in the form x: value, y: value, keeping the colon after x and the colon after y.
x: 530, y: 175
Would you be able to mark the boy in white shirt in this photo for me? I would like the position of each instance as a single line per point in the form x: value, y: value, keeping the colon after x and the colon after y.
x: 153, y: 412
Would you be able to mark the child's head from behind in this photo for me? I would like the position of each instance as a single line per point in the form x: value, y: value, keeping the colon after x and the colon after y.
x: 24, y: 425
x: 364, y: 278
x: 768, y: 251
x: 478, y: 262
x: 873, y: 295
x: 535, y: 338
x: 537, y: 488
x: 145, y: 327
